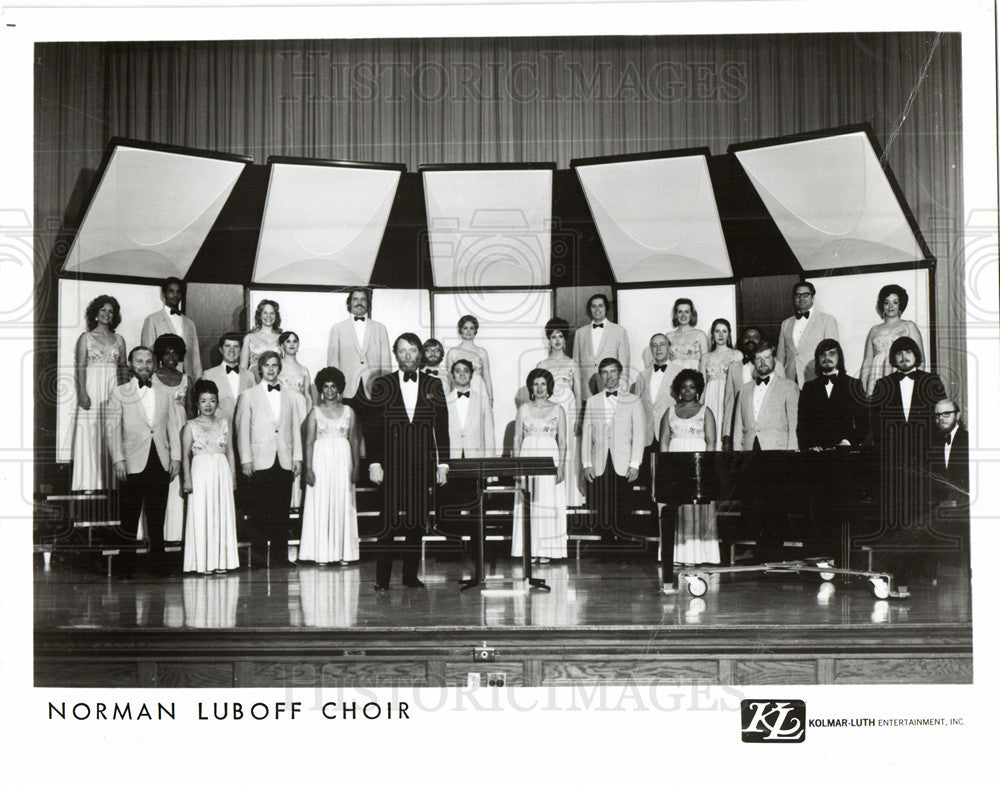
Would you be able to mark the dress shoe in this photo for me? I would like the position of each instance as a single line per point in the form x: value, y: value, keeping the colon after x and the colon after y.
x: 413, y: 583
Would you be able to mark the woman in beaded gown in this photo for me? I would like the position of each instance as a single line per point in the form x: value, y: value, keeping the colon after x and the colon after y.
x: 209, y: 469
x: 331, y: 447
x: 687, y: 344
x: 169, y: 351
x: 468, y: 328
x: 714, y: 366
x: 890, y: 304
x: 566, y: 393
x: 690, y: 427
x: 540, y: 431
x: 263, y: 337
x: 295, y: 377
x: 100, y: 366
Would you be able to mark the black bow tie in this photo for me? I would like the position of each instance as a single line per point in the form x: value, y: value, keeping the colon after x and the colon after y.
x: 803, y: 315
x: 175, y: 311
x: 409, y: 376
x: 830, y: 378
x: 598, y: 326
x: 232, y: 369
x: 359, y: 318
x: 431, y: 371
x: 947, y: 439
x: 609, y: 394
x: 464, y: 394
x: 764, y: 381
x: 272, y: 387
x: 900, y: 375
x: 147, y: 383
x: 659, y: 368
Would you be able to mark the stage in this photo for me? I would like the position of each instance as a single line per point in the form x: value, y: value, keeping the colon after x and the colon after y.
x: 603, y: 622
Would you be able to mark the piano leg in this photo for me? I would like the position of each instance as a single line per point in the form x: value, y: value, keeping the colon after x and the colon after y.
x: 668, y: 524
x: 480, y: 541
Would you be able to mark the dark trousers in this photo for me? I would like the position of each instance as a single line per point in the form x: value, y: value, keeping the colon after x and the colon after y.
x: 609, y: 497
x: 268, y: 495
x: 148, y: 489
x: 387, y: 548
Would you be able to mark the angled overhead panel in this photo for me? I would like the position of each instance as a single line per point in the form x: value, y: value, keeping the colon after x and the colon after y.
x: 489, y: 227
x: 323, y: 222
x: 657, y: 217
x: 151, y: 210
x: 832, y: 201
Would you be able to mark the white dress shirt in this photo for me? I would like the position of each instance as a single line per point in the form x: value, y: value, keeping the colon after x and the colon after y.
x: 360, y: 325
x: 798, y: 328
x: 828, y: 388
x: 176, y: 322
x: 274, y: 401
x: 906, y: 394
x: 596, y: 334
x: 462, y: 405
x: 948, y: 445
x: 409, y: 390
x: 232, y: 379
x: 759, y: 391
x: 655, y: 380
x: 148, y: 401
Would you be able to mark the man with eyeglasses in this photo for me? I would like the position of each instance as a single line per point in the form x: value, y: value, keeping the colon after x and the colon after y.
x: 801, y: 332
x: 950, y: 455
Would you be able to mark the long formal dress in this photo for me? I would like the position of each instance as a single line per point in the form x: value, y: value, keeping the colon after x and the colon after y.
x: 173, y: 518
x: 300, y: 383
x: 548, y: 500
x: 329, y: 516
x: 91, y: 469
x: 879, y: 343
x: 696, y: 540
x: 685, y: 348
x: 716, y: 365
x: 210, y: 530
x: 564, y: 395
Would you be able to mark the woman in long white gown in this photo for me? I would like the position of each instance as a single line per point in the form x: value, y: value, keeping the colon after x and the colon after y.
x: 687, y: 343
x: 566, y: 393
x: 169, y: 351
x: 100, y: 367
x: 890, y: 304
x: 540, y: 431
x: 263, y: 337
x: 714, y: 366
x: 468, y: 349
x: 209, y: 470
x: 331, y: 454
x: 690, y: 427
x: 295, y: 376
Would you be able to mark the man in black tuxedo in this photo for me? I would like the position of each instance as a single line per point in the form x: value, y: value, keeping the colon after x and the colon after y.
x: 949, y: 467
x: 407, y: 442
x: 902, y: 409
x: 832, y: 407
x: 833, y: 412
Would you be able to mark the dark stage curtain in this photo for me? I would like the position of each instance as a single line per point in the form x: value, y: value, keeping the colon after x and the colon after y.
x: 419, y: 101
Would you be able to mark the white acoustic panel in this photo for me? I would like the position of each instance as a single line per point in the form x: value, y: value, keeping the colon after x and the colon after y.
x: 323, y: 225
x: 850, y: 299
x: 489, y: 228
x: 644, y: 312
x: 312, y: 314
x: 511, y: 329
x: 832, y: 202
x: 151, y: 213
x: 657, y: 218
x: 137, y: 301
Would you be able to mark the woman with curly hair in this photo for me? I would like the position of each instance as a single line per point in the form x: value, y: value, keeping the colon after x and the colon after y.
x: 890, y: 304
x: 263, y: 337
x: 100, y: 367
x: 170, y: 351
x: 687, y: 343
x: 690, y: 427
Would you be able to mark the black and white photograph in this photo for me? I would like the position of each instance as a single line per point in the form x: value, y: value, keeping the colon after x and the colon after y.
x: 474, y: 373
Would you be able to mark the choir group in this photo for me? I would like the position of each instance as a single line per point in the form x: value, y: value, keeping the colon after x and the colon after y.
x: 178, y: 441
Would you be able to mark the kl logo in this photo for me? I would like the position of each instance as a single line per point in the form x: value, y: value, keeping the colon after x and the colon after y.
x: 781, y: 721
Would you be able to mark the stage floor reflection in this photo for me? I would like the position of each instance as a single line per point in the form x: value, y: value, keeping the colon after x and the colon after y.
x: 585, y: 594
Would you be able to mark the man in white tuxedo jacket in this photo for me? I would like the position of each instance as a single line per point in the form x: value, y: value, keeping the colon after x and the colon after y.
x: 653, y: 386
x: 268, y: 432
x: 801, y: 333
x: 359, y: 347
x: 596, y: 340
x: 611, y: 447
x: 768, y: 409
x: 143, y: 436
x: 737, y: 374
x: 170, y: 319
x: 229, y: 377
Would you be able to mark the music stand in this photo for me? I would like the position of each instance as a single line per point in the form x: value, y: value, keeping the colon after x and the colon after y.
x: 482, y: 468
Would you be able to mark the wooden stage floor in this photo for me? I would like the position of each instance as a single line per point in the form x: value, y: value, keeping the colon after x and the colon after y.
x: 603, y: 621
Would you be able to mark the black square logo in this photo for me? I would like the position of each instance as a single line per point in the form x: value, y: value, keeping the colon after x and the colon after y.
x: 766, y: 721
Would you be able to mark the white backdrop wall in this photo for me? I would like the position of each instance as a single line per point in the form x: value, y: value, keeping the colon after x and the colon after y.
x: 644, y: 312
x: 137, y: 301
x: 312, y: 314
x: 511, y: 329
x: 850, y: 299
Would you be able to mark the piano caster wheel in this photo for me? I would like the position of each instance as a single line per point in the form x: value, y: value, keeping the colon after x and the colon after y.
x: 826, y: 576
x: 880, y: 587
x: 697, y: 586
